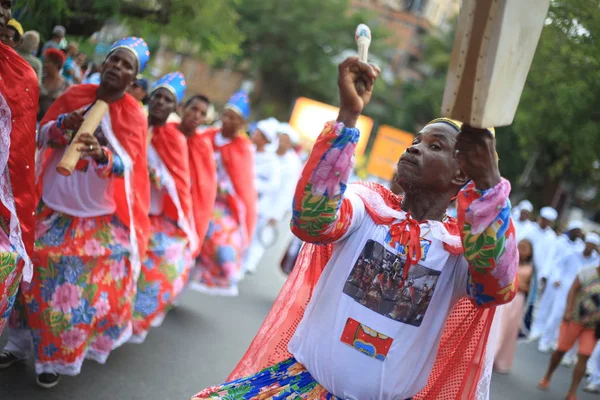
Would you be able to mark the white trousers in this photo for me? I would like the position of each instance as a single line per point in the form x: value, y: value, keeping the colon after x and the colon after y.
x: 552, y: 326
x: 543, y: 310
x: 256, y: 249
x: 20, y: 343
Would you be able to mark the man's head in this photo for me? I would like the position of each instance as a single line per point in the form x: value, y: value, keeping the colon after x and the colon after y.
x: 30, y: 42
x: 166, y: 94
x: 12, y: 35
x: 5, y: 12
x: 265, y: 133
x: 72, y: 49
x: 54, y: 60
x: 58, y: 33
x: 162, y: 103
x: 430, y: 163
x: 592, y: 241
x: 139, y: 88
x: 126, y: 59
x: 237, y: 111
x: 194, y: 112
x: 547, y: 217
x: 575, y: 230
x: 288, y: 137
x: 525, y: 208
x: 80, y: 58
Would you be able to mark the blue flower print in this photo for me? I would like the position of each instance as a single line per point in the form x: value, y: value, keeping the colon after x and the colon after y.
x: 84, y: 314
x: 225, y: 254
x: 73, y: 268
x: 50, y: 350
x: 56, y: 235
x: 33, y: 306
x: 146, y: 301
x: 48, y: 287
x: 113, y: 332
x: 476, y: 292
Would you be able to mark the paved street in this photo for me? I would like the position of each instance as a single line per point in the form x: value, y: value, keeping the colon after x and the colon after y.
x: 201, y: 341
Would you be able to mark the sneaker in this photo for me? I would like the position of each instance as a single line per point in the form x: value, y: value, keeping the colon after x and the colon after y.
x: 567, y: 362
x: 544, y: 349
x: 7, y: 359
x: 591, y: 388
x: 47, y: 381
x: 543, y: 384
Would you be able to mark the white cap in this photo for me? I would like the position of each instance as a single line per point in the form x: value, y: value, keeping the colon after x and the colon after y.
x: 525, y: 205
x: 269, y: 128
x: 287, y: 129
x: 575, y: 224
x: 549, y: 213
x: 593, y: 238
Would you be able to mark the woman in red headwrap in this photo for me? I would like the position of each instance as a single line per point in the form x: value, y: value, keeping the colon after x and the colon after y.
x: 92, y: 226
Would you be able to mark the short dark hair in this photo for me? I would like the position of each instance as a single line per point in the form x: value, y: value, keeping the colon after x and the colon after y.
x: 200, y: 97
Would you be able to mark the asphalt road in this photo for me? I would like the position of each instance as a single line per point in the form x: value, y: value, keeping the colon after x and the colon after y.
x: 200, y: 342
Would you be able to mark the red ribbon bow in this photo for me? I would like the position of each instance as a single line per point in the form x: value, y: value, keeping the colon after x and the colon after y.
x: 410, y: 238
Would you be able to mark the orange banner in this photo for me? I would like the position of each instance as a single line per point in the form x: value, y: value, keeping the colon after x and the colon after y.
x: 389, y: 144
x: 309, y: 118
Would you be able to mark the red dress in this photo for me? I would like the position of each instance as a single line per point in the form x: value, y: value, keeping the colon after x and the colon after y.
x: 19, y: 94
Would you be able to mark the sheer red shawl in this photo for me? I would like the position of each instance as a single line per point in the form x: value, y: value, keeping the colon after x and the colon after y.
x: 238, y: 161
x: 171, y: 146
x: 204, y: 181
x: 461, y: 355
x: 19, y: 87
x: 131, y: 130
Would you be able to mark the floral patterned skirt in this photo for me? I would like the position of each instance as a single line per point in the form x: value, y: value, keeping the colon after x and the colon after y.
x: 10, y: 277
x: 219, y: 266
x: 79, y: 302
x: 284, y: 381
x: 163, y: 275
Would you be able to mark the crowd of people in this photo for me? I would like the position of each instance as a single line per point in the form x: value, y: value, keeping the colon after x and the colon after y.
x: 157, y: 203
x: 393, y: 295
x: 553, y: 266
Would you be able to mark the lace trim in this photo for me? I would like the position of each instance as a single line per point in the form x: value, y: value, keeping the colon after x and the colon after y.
x: 6, y: 193
x: 438, y: 230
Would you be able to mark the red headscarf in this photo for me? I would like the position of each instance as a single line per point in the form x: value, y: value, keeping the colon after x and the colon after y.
x: 19, y: 87
x: 238, y: 161
x: 461, y: 354
x: 204, y: 181
x: 130, y: 127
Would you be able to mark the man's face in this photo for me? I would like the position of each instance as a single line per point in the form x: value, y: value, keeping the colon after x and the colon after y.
x: 137, y: 91
x: 161, y: 105
x: 525, y: 215
x: 544, y: 223
x: 285, y: 142
x: 7, y: 36
x: 232, y: 121
x: 119, y: 69
x: 589, y: 247
x: 5, y: 12
x: 259, y: 139
x: 194, y: 114
x: 575, y: 234
x: 72, y: 50
x: 430, y: 161
x: 81, y: 59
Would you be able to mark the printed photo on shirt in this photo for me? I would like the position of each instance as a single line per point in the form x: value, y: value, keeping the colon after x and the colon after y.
x: 377, y: 282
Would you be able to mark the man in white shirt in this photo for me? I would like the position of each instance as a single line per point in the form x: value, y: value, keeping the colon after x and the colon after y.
x: 522, y: 219
x: 267, y: 181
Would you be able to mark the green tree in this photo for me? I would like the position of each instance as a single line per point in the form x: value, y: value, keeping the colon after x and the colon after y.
x: 208, y: 27
x: 291, y: 46
x: 558, y: 121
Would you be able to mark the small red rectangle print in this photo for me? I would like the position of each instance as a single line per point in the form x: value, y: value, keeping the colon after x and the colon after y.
x: 366, y: 340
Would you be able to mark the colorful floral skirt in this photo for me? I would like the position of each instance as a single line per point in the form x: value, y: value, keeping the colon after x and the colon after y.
x: 286, y: 380
x: 163, y: 275
x: 10, y: 277
x: 79, y: 303
x: 219, y: 267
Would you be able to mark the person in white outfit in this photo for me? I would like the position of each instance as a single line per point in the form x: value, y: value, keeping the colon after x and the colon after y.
x: 570, y: 260
x: 542, y: 237
x: 267, y: 181
x: 522, y: 219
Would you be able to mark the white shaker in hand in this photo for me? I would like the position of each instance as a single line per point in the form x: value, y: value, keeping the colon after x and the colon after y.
x: 363, y: 40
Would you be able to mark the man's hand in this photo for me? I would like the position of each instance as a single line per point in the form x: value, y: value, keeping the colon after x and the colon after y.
x: 90, y: 147
x: 73, y: 121
x: 476, y: 153
x: 355, y: 82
